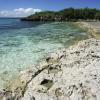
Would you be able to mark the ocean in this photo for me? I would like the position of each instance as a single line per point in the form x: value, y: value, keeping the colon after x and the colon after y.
x: 23, y: 44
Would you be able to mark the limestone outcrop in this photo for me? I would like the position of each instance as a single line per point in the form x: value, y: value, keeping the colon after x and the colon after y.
x: 68, y: 74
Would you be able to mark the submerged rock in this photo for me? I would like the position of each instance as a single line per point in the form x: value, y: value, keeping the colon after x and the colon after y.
x: 68, y: 74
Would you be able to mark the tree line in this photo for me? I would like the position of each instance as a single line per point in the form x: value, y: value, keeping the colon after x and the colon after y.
x: 68, y: 14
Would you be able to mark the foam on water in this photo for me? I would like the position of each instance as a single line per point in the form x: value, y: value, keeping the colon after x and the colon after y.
x: 23, y: 47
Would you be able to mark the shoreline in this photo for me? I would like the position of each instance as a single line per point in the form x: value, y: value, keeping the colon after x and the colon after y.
x: 61, y: 72
x: 64, y: 74
x: 93, y: 28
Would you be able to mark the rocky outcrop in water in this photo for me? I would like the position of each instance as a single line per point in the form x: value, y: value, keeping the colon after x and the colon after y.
x: 68, y: 74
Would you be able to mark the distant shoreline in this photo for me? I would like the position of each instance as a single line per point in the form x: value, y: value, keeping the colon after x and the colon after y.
x: 68, y: 14
x: 92, y: 27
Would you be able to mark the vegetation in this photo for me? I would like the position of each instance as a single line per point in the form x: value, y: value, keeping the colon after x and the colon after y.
x: 69, y: 14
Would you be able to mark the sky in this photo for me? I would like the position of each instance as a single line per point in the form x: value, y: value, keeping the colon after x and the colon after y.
x: 21, y: 8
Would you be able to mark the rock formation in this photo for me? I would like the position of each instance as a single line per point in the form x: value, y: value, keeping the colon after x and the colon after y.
x: 68, y: 74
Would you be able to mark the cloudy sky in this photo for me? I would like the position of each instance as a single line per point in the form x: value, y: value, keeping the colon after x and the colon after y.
x: 20, y: 8
x: 18, y: 12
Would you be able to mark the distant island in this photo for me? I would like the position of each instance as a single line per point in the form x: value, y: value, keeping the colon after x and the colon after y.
x: 68, y: 14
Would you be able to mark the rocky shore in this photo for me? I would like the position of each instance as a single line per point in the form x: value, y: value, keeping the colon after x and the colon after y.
x: 92, y: 27
x: 68, y: 74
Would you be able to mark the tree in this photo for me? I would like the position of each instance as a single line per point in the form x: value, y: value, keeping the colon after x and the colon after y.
x: 97, y: 16
x: 68, y: 14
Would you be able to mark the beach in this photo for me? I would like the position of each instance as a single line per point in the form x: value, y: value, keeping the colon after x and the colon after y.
x: 71, y: 74
x: 25, y: 44
x: 68, y: 74
x: 92, y: 27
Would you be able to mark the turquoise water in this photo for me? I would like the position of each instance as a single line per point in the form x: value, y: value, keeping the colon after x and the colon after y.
x: 23, y: 44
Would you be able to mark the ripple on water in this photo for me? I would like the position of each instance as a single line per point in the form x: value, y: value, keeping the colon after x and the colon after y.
x: 21, y: 48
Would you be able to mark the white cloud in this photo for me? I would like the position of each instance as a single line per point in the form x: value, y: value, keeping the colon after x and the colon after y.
x: 20, y: 12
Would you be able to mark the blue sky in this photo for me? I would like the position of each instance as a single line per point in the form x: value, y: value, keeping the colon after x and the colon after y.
x: 26, y: 7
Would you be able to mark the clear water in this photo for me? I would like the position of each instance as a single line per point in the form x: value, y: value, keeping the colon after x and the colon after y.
x: 23, y: 44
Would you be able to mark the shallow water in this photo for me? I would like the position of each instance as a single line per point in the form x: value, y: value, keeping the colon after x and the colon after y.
x: 23, y: 44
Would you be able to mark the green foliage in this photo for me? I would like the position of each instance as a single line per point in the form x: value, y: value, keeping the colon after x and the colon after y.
x: 69, y: 14
x: 97, y: 16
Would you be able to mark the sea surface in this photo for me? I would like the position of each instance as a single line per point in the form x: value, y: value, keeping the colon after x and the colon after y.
x: 23, y: 44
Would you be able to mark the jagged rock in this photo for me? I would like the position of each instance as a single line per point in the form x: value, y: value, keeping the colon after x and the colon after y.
x: 69, y: 74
